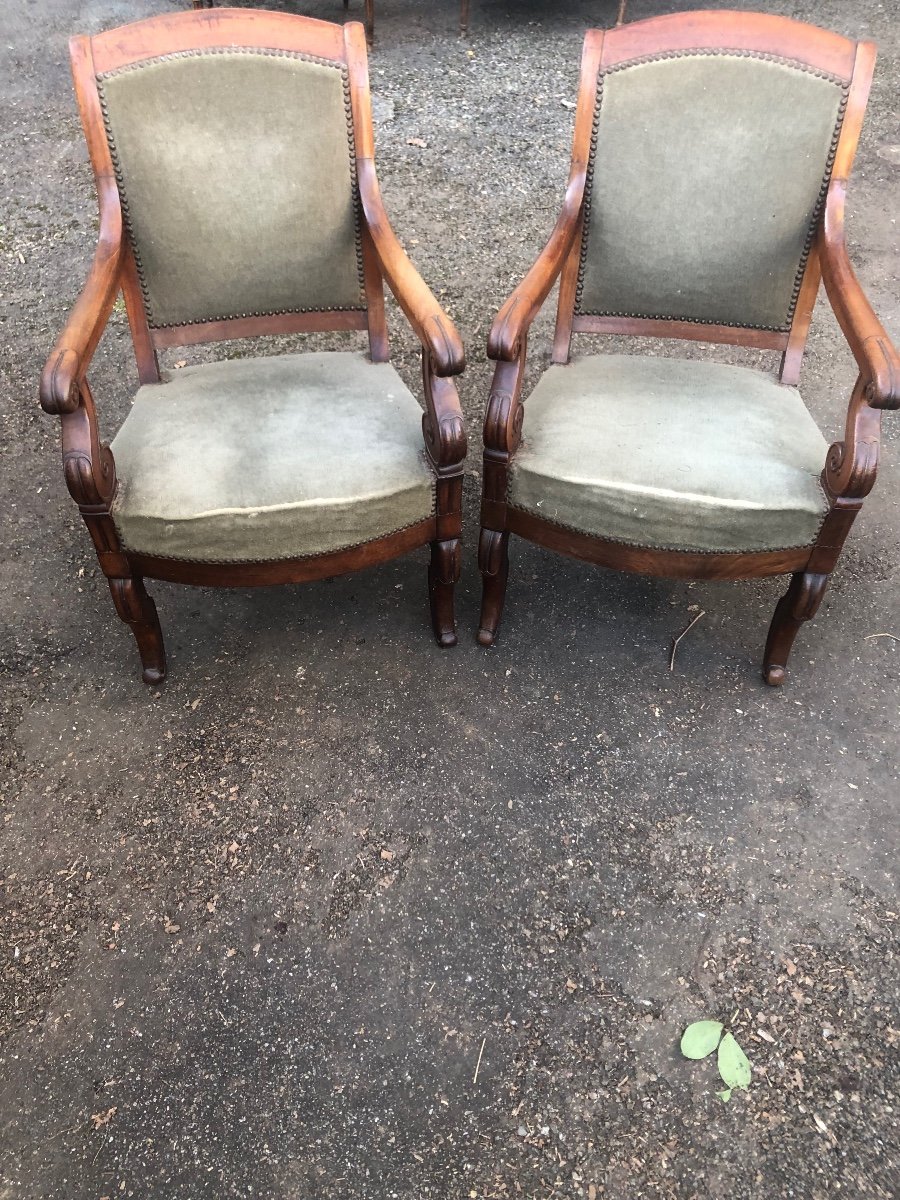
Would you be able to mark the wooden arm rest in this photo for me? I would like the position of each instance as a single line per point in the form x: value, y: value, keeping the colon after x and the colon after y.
x: 514, y: 318
x: 71, y: 356
x: 879, y: 363
x: 433, y: 327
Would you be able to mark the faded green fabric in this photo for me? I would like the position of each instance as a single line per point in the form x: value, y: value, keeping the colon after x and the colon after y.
x: 706, y: 177
x: 671, y: 453
x: 265, y: 458
x: 236, y: 177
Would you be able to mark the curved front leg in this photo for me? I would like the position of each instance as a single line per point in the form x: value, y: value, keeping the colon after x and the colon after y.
x: 137, y: 609
x: 800, y: 603
x: 849, y: 476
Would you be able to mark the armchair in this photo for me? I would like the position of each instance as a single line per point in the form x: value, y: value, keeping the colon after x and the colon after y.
x: 705, y: 202
x: 260, y: 214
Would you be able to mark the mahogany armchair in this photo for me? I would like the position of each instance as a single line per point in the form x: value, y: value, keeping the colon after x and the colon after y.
x: 705, y: 202
x: 258, y: 214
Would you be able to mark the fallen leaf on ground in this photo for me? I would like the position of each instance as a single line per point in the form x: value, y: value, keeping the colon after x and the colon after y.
x: 101, y: 1119
x: 734, y: 1066
x: 701, y: 1038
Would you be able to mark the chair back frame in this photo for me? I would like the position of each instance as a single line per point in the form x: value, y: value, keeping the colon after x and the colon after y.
x: 817, y: 49
x: 217, y: 28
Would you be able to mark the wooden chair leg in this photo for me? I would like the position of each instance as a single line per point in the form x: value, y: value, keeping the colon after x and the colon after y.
x: 370, y: 21
x: 799, y: 604
x: 443, y: 574
x: 137, y: 609
x: 493, y: 562
x: 464, y: 18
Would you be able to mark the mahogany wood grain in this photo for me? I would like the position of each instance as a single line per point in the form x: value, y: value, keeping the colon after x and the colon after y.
x: 690, y: 331
x: 759, y: 32
x: 591, y: 57
x: 289, y: 570
x: 515, y: 317
x: 422, y: 311
x: 171, y: 33
x: 876, y: 357
x: 245, y: 327
x: 641, y: 560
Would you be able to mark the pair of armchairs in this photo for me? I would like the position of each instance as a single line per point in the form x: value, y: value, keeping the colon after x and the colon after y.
x: 233, y: 157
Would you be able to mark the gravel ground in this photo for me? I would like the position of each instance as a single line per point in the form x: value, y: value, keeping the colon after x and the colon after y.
x: 334, y: 914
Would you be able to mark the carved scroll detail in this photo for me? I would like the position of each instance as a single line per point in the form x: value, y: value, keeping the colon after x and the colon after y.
x: 852, y: 464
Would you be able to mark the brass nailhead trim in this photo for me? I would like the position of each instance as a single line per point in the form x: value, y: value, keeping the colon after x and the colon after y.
x: 527, y: 512
x: 785, y: 327
x: 231, y: 562
x: 123, y: 199
x: 116, y: 510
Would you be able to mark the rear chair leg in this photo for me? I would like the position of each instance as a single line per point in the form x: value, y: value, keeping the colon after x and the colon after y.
x: 137, y: 609
x: 443, y: 573
x: 799, y: 604
x: 493, y: 562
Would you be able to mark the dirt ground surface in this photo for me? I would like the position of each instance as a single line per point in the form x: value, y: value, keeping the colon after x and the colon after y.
x: 336, y: 914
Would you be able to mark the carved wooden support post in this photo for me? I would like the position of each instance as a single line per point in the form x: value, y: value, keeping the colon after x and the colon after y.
x: 502, y: 434
x: 445, y: 445
x: 90, y: 474
x: 849, y: 476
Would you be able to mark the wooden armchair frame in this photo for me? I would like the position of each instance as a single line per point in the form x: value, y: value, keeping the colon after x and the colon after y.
x: 849, y: 474
x: 90, y: 471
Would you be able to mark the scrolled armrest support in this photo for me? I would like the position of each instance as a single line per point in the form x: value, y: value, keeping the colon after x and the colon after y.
x: 443, y: 426
x: 852, y: 465
x: 878, y: 361
x: 514, y: 319
x: 433, y: 327
x: 505, y: 413
x: 88, y: 465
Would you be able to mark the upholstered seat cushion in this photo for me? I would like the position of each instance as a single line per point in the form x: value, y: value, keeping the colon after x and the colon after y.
x: 670, y: 453
x: 265, y: 458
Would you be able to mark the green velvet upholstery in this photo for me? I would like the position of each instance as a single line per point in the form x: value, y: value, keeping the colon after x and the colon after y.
x: 706, y: 178
x: 237, y: 182
x: 248, y: 460
x: 671, y: 454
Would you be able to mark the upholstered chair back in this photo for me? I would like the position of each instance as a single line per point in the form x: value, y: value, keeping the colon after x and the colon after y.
x: 708, y: 169
x: 236, y: 170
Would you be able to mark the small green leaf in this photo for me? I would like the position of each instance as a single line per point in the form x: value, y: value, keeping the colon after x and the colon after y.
x: 725, y: 1095
x: 734, y: 1066
x: 701, y: 1039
